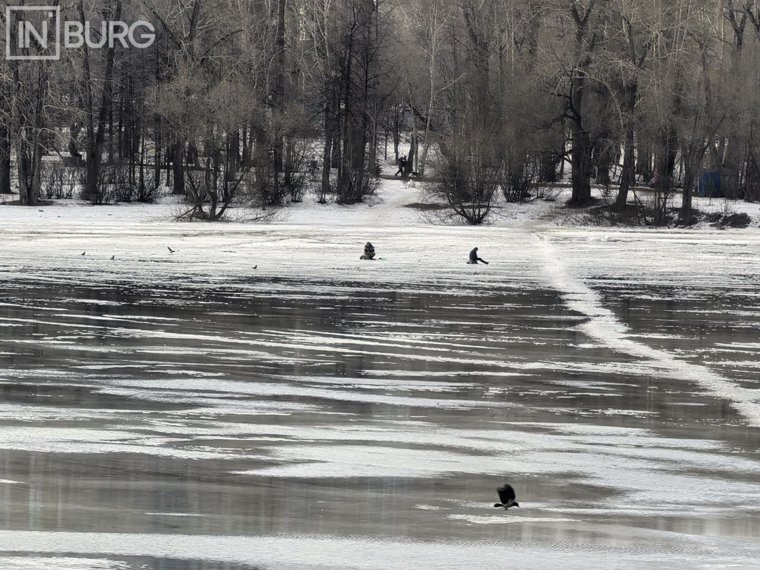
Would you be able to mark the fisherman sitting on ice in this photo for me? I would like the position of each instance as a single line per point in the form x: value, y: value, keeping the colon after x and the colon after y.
x: 369, y: 252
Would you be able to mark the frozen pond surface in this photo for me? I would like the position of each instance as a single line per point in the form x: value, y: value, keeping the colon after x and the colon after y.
x: 184, y: 411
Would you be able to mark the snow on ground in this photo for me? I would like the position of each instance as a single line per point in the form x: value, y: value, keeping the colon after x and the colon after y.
x: 390, y: 206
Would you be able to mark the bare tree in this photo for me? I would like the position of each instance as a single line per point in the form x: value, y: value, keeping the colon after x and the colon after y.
x: 96, y: 113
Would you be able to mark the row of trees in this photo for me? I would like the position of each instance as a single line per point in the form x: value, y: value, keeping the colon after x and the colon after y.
x: 232, y: 95
x: 242, y: 97
x: 617, y: 89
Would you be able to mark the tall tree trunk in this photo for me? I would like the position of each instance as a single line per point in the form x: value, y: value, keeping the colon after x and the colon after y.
x: 5, y: 137
x: 666, y: 164
x: 327, y: 149
x: 396, y: 132
x: 278, y: 96
x: 580, y: 153
x: 5, y: 160
x: 344, y: 174
x: 412, y: 157
x: 580, y: 159
x: 30, y: 120
x: 157, y: 156
x: 431, y: 95
x: 26, y: 194
x: 692, y: 155
x: 96, y: 126
x: 736, y: 136
x: 178, y: 168
x: 628, y: 175
x: 644, y: 162
x: 689, y: 179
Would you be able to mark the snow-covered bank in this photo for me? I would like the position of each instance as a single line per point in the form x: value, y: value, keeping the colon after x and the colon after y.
x: 397, y: 203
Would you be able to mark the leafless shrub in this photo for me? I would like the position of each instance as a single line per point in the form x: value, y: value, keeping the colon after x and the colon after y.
x: 469, y: 186
x: 214, y: 186
x: 61, y: 182
x: 519, y: 179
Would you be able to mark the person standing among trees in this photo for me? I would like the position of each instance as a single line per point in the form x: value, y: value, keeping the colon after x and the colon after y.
x: 401, y: 167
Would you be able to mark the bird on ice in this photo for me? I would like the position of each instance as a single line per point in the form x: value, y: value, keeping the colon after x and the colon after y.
x: 170, y: 249
x: 507, y: 497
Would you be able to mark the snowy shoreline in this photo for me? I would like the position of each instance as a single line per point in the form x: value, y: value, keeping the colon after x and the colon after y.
x: 397, y: 203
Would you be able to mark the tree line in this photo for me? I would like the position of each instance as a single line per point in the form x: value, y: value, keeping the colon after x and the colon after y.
x: 262, y: 99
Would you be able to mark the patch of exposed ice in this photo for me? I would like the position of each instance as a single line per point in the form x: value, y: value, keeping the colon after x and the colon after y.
x: 61, y: 563
x: 626, y: 552
x: 160, y: 390
x: 506, y: 519
x: 427, y: 507
x: 191, y: 515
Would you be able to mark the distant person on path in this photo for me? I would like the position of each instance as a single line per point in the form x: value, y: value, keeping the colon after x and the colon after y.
x: 369, y: 252
x: 313, y: 168
x: 401, y: 167
x: 474, y: 259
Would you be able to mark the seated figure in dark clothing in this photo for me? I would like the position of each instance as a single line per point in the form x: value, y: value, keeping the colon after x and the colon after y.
x: 474, y: 259
x: 369, y: 252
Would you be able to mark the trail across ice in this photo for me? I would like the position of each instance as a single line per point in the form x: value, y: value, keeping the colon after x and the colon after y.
x: 605, y: 328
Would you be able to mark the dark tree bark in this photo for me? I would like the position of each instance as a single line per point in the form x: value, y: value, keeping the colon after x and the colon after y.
x: 5, y: 138
x: 278, y: 96
x: 396, y: 131
x: 327, y: 149
x: 5, y: 160
x: 628, y: 176
x: 580, y: 160
x: 178, y: 168
x: 95, y: 126
x: 735, y: 152
x: 580, y: 153
x: 665, y: 167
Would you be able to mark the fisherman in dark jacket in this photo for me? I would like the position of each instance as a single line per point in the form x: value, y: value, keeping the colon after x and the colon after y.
x: 369, y: 252
x: 474, y: 259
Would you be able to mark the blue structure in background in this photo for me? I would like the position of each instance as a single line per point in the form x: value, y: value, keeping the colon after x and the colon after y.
x: 709, y: 184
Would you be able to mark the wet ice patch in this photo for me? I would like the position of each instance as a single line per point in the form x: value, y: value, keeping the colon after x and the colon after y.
x: 61, y: 563
x: 319, y: 551
x: 427, y: 507
x: 351, y: 461
x: 641, y: 467
x: 163, y: 389
x: 507, y: 519
x: 92, y: 441
x: 191, y: 515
